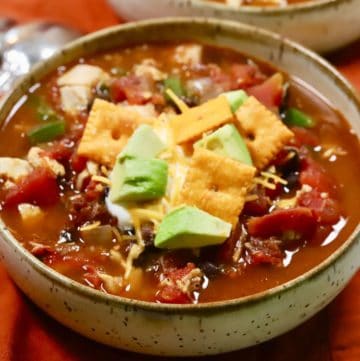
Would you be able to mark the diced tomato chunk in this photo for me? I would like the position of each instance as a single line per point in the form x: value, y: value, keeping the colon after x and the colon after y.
x: 41, y: 251
x: 259, y: 206
x: 39, y: 188
x: 300, y: 220
x: 219, y: 77
x: 59, y: 151
x: 315, y: 176
x: 91, y: 276
x: 326, y: 210
x: 270, y: 92
x: 245, y: 75
x: 304, y: 136
x: 171, y: 293
x: 131, y: 88
x: 78, y: 162
x: 266, y: 252
x: 117, y: 91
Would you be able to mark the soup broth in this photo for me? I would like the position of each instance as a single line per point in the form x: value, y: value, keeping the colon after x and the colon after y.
x: 187, y: 218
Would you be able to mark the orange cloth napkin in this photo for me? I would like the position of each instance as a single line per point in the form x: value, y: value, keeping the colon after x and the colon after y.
x: 27, y: 334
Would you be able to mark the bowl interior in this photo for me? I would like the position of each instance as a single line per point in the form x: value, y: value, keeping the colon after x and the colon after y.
x: 261, y: 44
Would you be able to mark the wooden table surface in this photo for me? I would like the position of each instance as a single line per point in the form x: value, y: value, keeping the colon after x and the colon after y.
x: 27, y: 334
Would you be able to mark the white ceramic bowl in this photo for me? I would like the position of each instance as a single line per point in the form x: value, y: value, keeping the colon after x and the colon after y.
x: 321, y: 25
x: 189, y: 329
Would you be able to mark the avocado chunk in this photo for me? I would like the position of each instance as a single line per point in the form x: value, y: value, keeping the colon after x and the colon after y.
x: 228, y: 142
x: 189, y: 227
x: 236, y: 98
x: 138, y: 180
x: 117, y: 180
x: 144, y: 143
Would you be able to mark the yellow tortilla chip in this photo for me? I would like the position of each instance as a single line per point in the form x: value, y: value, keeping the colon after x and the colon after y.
x: 264, y: 132
x: 107, y: 131
x: 216, y: 184
x: 195, y: 121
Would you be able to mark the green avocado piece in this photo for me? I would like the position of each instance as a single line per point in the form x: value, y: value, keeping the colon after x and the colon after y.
x: 189, y: 227
x: 117, y: 180
x: 144, y: 143
x: 228, y: 142
x: 236, y: 98
x: 138, y: 180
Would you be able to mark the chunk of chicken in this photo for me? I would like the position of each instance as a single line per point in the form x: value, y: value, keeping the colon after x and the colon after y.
x: 146, y: 111
x: 38, y: 159
x: 75, y: 86
x: 30, y: 213
x: 14, y: 168
x: 148, y: 69
x: 75, y: 98
x: 83, y: 75
x: 188, y: 54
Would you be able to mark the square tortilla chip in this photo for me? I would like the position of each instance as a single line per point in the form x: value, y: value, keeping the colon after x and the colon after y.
x: 195, y: 121
x: 264, y: 132
x: 216, y: 184
x: 107, y: 131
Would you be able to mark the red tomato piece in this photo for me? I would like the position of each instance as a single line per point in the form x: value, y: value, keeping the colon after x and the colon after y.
x: 130, y: 88
x: 315, y: 176
x: 326, y: 210
x: 266, y: 252
x: 171, y: 293
x: 219, y: 77
x: 270, y: 92
x: 39, y: 188
x: 78, y: 162
x: 300, y: 220
x: 304, y: 137
x: 245, y: 75
x: 91, y: 276
x: 41, y: 251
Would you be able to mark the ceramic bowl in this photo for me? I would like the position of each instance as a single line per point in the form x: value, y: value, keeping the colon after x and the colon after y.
x: 321, y: 25
x: 203, y: 329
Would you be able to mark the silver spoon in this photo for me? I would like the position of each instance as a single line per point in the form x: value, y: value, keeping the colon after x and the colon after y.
x: 24, y: 45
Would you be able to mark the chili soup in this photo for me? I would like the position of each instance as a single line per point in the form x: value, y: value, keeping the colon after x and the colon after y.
x: 178, y: 173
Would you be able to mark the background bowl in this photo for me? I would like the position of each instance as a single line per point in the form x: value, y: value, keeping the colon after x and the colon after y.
x: 189, y: 329
x: 321, y: 25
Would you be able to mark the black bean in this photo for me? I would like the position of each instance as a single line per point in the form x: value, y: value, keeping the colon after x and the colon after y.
x: 210, y: 269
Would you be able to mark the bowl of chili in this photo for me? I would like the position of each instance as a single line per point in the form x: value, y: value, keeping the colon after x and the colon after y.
x: 165, y: 189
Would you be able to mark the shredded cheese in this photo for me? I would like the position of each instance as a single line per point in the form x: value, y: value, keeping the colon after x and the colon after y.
x: 265, y: 183
x: 145, y: 214
x: 89, y: 227
x: 274, y: 177
x: 134, y: 253
x: 179, y: 103
x: 101, y: 179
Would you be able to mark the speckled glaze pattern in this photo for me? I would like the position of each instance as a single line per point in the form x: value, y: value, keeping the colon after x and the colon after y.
x: 184, y: 330
x: 321, y: 25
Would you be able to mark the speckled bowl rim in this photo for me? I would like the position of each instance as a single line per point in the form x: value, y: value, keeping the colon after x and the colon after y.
x: 203, y: 308
x: 304, y: 7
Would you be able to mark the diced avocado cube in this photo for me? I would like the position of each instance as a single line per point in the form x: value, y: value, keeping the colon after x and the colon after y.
x: 228, y: 142
x: 138, y: 180
x: 190, y: 227
x: 236, y: 98
x: 144, y: 143
x: 117, y: 180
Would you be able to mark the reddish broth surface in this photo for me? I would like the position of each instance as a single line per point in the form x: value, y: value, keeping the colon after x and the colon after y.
x: 77, y: 259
